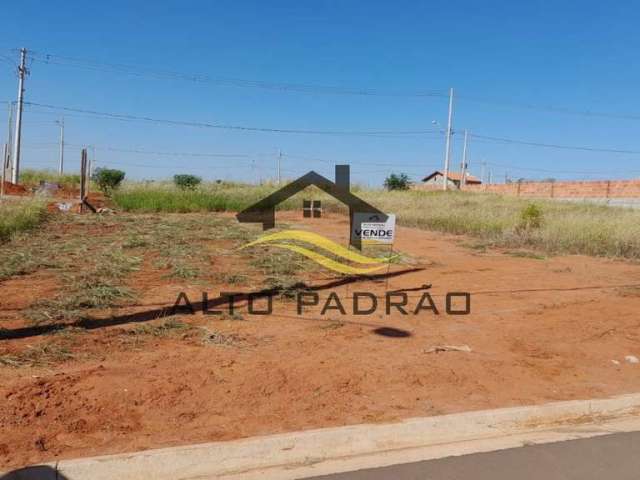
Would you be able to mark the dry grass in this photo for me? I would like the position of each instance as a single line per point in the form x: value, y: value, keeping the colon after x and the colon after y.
x: 548, y: 226
x: 561, y: 227
x: 37, y: 356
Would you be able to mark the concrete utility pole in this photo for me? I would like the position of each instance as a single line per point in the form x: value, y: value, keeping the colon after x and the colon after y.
x: 61, y: 164
x: 463, y: 170
x: 447, y: 153
x: 22, y: 72
x: 279, y: 162
x: 7, y: 158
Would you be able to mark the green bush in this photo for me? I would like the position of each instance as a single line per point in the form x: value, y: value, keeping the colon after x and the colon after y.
x: 397, y: 182
x: 186, y: 181
x: 107, y: 179
x: 530, y: 218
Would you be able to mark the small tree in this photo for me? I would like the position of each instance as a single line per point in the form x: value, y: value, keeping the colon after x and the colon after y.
x: 107, y: 179
x: 397, y: 182
x: 185, y: 181
x: 530, y: 218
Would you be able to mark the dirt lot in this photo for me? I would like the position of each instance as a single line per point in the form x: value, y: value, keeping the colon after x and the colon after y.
x: 122, y: 377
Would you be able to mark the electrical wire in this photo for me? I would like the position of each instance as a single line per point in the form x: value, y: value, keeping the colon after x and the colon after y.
x: 53, y: 59
x: 549, y: 108
x: 543, y: 170
x: 553, y: 145
x: 119, y: 116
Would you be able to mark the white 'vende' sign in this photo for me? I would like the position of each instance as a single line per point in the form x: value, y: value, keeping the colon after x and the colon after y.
x: 371, y: 229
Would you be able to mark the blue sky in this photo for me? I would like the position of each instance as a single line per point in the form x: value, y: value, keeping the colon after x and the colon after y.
x: 579, y: 55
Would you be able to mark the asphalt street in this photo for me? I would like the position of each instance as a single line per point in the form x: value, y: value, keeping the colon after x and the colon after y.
x: 610, y: 457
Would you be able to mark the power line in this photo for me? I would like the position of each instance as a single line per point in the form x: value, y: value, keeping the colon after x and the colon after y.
x: 49, y: 145
x: 129, y: 117
x: 553, y: 145
x: 543, y: 170
x: 61, y: 60
x: 119, y: 116
x: 49, y: 58
x: 391, y: 166
x: 191, y: 167
x: 370, y: 164
x: 549, y: 108
x: 168, y: 154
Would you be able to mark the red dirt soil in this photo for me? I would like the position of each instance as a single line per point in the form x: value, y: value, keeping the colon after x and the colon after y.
x: 539, y: 330
x: 13, y: 189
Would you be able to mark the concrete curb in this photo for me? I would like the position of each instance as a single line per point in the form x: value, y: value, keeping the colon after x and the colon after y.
x: 330, y: 450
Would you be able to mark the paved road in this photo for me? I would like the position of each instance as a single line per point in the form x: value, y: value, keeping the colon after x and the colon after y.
x: 609, y: 457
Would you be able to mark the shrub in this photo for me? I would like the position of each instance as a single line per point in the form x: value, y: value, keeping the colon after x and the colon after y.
x: 530, y: 218
x: 185, y: 181
x: 108, y: 179
x: 397, y: 182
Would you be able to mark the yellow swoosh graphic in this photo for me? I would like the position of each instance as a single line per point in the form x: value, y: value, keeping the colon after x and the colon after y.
x: 321, y: 242
x: 326, y: 262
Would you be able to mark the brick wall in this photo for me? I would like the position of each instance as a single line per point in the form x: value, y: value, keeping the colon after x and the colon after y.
x: 595, y: 189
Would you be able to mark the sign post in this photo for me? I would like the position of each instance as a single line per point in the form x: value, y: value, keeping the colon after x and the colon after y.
x: 372, y: 229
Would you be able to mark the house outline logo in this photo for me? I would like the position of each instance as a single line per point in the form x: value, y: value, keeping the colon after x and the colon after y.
x: 263, y: 211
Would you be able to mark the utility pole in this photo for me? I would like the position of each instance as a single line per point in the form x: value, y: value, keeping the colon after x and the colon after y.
x: 5, y: 156
x: 7, y: 159
x: 463, y: 170
x: 22, y: 72
x: 490, y: 179
x: 61, y: 164
x: 279, y: 162
x: 482, y: 169
x: 253, y: 171
x: 447, y: 152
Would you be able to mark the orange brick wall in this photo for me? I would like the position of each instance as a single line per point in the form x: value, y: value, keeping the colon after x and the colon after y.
x: 595, y: 189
